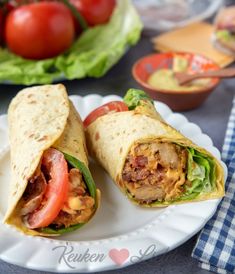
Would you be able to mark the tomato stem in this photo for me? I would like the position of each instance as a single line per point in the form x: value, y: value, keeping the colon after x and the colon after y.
x: 77, y: 15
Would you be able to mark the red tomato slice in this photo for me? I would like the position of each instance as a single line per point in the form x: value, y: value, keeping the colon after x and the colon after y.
x: 56, y: 166
x: 115, y: 106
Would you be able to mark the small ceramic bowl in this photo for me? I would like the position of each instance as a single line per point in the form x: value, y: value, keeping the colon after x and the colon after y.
x: 176, y: 100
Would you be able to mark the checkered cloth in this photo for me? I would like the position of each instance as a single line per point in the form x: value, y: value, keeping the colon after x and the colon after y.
x: 215, y: 248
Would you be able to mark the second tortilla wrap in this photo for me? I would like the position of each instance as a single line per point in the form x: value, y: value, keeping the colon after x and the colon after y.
x: 114, y: 138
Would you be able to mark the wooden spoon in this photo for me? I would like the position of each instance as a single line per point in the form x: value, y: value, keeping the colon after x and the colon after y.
x: 183, y: 77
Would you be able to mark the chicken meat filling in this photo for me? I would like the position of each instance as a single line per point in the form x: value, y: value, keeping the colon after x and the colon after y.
x: 155, y: 171
x: 78, y: 207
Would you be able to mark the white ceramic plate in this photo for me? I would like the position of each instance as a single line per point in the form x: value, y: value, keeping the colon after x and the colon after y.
x: 120, y: 233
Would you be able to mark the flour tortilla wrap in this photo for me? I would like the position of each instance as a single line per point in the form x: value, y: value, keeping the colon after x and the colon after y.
x: 41, y: 117
x: 111, y: 139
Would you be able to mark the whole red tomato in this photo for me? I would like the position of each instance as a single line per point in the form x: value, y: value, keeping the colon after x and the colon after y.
x: 95, y: 12
x: 39, y: 30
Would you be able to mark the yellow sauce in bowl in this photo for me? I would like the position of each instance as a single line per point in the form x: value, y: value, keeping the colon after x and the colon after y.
x: 164, y: 78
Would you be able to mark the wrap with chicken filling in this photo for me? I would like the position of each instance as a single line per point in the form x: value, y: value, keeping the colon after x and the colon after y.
x: 151, y: 162
x: 52, y: 190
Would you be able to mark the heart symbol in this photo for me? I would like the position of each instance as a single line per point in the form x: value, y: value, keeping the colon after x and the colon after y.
x: 119, y: 256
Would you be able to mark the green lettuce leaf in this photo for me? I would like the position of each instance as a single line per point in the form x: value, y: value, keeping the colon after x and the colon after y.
x: 92, y: 54
x: 85, y: 173
x: 201, y: 174
x: 134, y: 97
